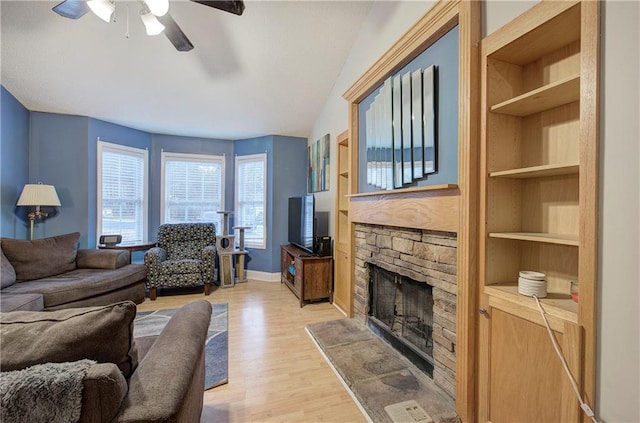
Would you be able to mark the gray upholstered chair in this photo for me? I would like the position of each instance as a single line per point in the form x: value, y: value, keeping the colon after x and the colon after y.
x: 184, y: 256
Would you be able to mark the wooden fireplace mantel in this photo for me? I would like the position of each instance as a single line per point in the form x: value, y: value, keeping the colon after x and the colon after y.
x: 433, y: 207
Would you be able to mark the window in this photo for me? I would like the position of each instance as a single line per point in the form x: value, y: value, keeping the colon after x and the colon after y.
x: 192, y: 188
x: 251, y: 198
x: 122, y: 192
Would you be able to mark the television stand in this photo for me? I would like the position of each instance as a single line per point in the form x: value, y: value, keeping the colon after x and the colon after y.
x: 309, y: 277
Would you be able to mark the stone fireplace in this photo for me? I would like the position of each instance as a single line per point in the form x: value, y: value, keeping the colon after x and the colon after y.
x: 405, y: 290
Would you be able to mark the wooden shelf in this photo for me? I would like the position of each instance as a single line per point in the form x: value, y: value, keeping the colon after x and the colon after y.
x: 538, y: 40
x: 558, y: 239
x: 539, y: 171
x: 556, y: 94
x: 556, y: 304
x: 405, y: 190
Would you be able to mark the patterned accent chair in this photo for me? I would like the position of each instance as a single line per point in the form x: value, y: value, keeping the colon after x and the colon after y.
x: 184, y: 256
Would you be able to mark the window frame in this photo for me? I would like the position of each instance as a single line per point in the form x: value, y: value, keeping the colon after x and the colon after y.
x: 253, y: 158
x: 204, y: 158
x: 105, y: 146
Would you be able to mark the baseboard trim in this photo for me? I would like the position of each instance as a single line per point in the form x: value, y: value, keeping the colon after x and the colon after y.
x: 256, y: 275
x: 340, y: 309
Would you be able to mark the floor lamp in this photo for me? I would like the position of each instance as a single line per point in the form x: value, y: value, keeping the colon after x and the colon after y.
x: 38, y: 195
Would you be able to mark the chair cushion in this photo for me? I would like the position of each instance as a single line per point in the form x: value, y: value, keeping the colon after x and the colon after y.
x: 180, y: 267
x: 7, y: 272
x: 103, y: 334
x: 186, y: 240
x: 40, y: 258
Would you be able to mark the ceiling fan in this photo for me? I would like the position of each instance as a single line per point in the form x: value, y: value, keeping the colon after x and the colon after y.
x: 154, y: 14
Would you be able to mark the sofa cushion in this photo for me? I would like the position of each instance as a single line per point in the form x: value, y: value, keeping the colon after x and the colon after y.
x: 80, y: 284
x: 13, y: 302
x: 7, y: 272
x: 103, y: 334
x: 40, y: 258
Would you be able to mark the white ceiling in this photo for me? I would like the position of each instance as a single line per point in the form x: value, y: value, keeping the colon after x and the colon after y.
x: 268, y: 71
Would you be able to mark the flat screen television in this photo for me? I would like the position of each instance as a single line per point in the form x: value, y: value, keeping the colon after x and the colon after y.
x: 306, y: 225
x: 301, y: 222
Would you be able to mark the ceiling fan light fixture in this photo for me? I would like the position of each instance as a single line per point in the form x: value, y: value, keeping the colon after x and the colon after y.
x: 151, y: 23
x: 102, y: 8
x: 158, y: 7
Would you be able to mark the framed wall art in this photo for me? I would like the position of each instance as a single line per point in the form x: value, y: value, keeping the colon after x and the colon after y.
x: 319, y: 167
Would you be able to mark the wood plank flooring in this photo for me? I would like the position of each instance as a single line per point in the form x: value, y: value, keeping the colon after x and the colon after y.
x: 276, y: 373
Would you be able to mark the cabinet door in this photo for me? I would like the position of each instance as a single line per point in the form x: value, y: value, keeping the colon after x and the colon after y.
x: 317, y: 278
x: 522, y: 379
x: 342, y: 281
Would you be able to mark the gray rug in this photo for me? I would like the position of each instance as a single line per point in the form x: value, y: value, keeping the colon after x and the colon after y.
x: 388, y: 387
x: 216, y: 360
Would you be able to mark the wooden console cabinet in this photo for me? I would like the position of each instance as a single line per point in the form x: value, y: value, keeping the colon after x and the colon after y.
x: 309, y: 277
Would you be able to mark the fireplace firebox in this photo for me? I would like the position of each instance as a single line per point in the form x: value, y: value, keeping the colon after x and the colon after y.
x: 401, y: 312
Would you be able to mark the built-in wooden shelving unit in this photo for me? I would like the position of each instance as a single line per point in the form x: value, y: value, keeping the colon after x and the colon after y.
x: 538, y: 208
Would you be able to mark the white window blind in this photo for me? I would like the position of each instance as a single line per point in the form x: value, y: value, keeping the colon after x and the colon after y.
x: 251, y: 198
x: 122, y: 192
x: 192, y: 188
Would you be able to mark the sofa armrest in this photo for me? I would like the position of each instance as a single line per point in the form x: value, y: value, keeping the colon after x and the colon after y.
x: 104, y: 390
x: 102, y: 259
x: 168, y: 383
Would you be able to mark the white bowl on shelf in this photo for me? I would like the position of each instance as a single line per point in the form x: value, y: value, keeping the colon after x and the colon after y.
x: 532, y: 283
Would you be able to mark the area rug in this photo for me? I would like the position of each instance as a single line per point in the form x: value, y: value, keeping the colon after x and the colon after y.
x: 386, y: 386
x: 216, y: 360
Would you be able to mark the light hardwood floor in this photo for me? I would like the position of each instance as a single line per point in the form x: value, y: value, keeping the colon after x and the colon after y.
x: 276, y: 373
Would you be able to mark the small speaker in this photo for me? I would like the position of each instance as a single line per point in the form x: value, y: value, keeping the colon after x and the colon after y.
x: 323, y: 246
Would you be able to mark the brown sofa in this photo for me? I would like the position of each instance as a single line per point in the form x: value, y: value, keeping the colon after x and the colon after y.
x: 52, y: 273
x: 150, y: 379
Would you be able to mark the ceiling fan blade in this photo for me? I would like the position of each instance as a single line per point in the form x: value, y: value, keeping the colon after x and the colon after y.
x: 72, y: 9
x: 175, y: 34
x: 232, y: 6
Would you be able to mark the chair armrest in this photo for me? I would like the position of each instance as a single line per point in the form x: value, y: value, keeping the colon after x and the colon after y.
x: 152, y: 259
x: 102, y: 259
x: 154, y: 256
x: 168, y: 383
x: 208, y: 263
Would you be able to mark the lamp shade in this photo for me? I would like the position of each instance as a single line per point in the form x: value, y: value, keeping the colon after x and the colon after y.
x: 38, y: 195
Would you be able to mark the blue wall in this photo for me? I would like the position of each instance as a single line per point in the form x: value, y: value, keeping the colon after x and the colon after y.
x: 62, y: 150
x: 289, y: 180
x: 444, y: 54
x: 14, y: 160
x: 59, y: 156
x: 286, y: 179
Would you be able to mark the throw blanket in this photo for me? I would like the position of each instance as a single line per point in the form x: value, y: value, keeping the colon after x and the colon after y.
x: 50, y: 392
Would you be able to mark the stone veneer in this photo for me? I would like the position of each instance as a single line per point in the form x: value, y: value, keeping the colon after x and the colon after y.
x: 424, y: 256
